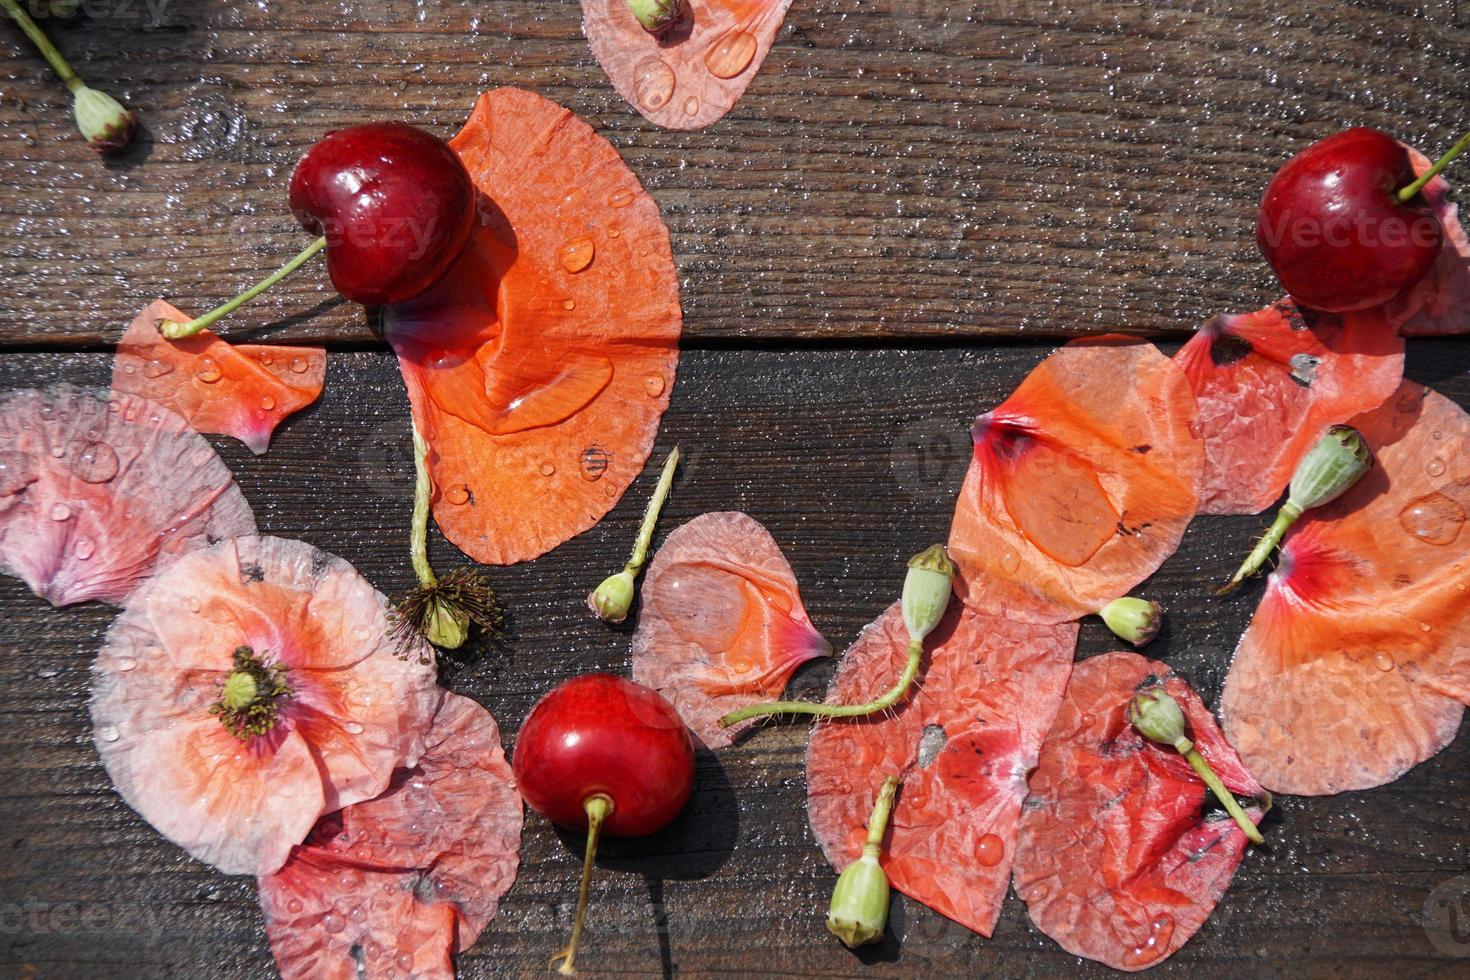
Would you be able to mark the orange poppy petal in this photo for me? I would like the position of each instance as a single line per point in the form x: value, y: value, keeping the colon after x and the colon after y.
x: 1355, y: 667
x: 697, y: 70
x: 963, y: 742
x: 1081, y: 484
x: 1440, y: 302
x: 1122, y: 853
x: 443, y: 840
x: 351, y: 718
x: 722, y: 625
x: 539, y: 366
x: 242, y: 391
x: 98, y: 488
x: 1269, y: 383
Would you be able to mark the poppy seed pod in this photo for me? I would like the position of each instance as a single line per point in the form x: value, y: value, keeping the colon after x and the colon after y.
x: 1132, y: 619
x: 1158, y: 718
x: 926, y: 591
x: 613, y: 598
x: 106, y: 123
x: 656, y: 15
x: 1338, y: 460
x: 859, y: 910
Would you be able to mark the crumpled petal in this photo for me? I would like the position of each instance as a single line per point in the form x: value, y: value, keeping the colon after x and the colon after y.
x: 1356, y: 666
x: 401, y: 881
x: 1123, y: 852
x: 357, y: 711
x: 1440, y: 302
x: 696, y: 71
x: 539, y: 366
x: 1270, y: 383
x: 243, y: 391
x: 97, y: 489
x: 1081, y: 483
x: 963, y: 742
x: 722, y: 625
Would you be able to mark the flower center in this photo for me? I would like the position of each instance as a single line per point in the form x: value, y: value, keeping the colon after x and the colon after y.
x: 250, y: 698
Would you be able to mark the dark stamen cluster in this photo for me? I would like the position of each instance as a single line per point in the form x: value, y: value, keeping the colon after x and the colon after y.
x: 464, y: 592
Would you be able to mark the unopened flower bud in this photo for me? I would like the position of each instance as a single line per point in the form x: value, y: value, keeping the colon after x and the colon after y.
x: 1158, y: 718
x: 1330, y: 468
x: 106, y: 123
x: 613, y: 598
x: 656, y: 15
x: 447, y: 625
x: 1132, y: 619
x: 926, y: 591
x: 859, y: 910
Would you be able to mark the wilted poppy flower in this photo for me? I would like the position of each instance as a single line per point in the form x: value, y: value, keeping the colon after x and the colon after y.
x: 1081, y: 484
x: 691, y: 71
x: 539, y: 366
x: 249, y: 688
x: 1122, y: 852
x: 243, y: 391
x: 400, y: 882
x: 722, y: 624
x: 1270, y: 383
x: 1440, y: 302
x: 99, y: 488
x: 963, y: 741
x: 1354, y: 668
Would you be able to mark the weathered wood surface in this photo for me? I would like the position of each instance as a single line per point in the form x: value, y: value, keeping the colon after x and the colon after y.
x: 899, y: 167
x: 852, y: 459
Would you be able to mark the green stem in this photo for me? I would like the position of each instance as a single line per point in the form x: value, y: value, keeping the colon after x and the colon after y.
x: 43, y: 43
x: 597, y: 808
x: 1232, y: 806
x: 423, y: 491
x: 887, y: 700
x: 174, y: 330
x: 650, y: 516
x: 878, y: 822
x: 1408, y: 192
x: 1290, y: 512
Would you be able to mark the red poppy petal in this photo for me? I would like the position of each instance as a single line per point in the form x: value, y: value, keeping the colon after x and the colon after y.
x: 382, y: 875
x: 1121, y: 855
x: 963, y: 742
x: 1269, y: 383
x: 1440, y: 302
x: 539, y: 367
x: 1355, y: 668
x: 1081, y: 484
x: 239, y: 391
x: 695, y: 72
x: 722, y: 625
x: 99, y: 488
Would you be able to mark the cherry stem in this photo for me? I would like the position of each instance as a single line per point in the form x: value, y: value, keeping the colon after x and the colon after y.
x: 1408, y: 192
x: 423, y: 491
x: 1290, y: 512
x: 597, y: 808
x: 887, y: 700
x: 43, y: 43
x: 174, y: 330
x: 650, y: 515
x: 1232, y: 805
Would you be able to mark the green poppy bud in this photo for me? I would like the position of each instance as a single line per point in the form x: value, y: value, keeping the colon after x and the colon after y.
x: 105, y: 122
x: 239, y: 690
x: 926, y: 591
x: 1158, y: 718
x: 613, y: 598
x: 1134, y: 620
x: 859, y: 910
x: 1330, y: 468
x: 656, y: 15
x: 447, y: 624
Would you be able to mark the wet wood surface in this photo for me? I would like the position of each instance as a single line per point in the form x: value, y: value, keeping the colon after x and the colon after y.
x: 895, y: 190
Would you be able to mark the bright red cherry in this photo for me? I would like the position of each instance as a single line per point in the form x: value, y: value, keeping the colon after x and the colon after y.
x: 1334, y: 229
x: 394, y: 203
x: 602, y: 753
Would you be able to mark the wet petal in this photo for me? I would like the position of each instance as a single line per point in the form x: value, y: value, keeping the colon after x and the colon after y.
x: 1269, y: 383
x: 539, y: 367
x: 243, y: 391
x: 241, y: 806
x: 1122, y: 854
x: 964, y: 741
x: 1355, y: 667
x: 1440, y: 303
x: 722, y: 625
x: 416, y: 873
x: 693, y: 73
x: 1081, y: 484
x: 97, y: 489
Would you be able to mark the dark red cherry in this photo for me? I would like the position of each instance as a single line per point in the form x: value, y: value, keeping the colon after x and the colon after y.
x: 394, y: 203
x: 1333, y: 229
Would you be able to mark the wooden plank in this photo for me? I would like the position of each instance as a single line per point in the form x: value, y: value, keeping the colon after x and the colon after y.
x: 852, y: 459
x: 946, y: 168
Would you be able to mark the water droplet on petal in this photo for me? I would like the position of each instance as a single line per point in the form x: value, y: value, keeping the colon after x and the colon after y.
x: 614, y: 233
x: 691, y: 106
x: 990, y: 850
x: 1435, y: 467
x: 1010, y: 562
x: 569, y: 304
x: 208, y: 371
x: 298, y: 365
x: 352, y: 728
x: 1425, y: 628
x: 130, y: 368
x: 1433, y: 519
x: 96, y: 463
x: 594, y: 463
x: 294, y: 906
x: 193, y: 603
x: 126, y: 663
x: 157, y: 369
x: 266, y: 357
x: 267, y: 402
x: 1383, y: 662
x: 547, y: 468
x: 84, y: 548
x: 405, y: 961
x: 457, y: 494
x: 108, y: 733
x: 577, y: 254
x: 620, y: 198
x: 654, y: 385
x: 60, y: 512
x: 731, y: 54
x: 653, y: 83
x: 58, y: 451
x: 333, y: 923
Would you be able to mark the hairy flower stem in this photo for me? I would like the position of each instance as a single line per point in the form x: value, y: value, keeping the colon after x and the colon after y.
x: 887, y: 700
x: 174, y: 330
x: 1227, y: 798
x: 423, y: 492
x: 1289, y: 515
x: 612, y: 599
x: 43, y: 44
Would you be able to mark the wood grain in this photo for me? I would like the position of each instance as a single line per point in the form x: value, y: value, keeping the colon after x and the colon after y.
x: 900, y: 168
x: 852, y: 459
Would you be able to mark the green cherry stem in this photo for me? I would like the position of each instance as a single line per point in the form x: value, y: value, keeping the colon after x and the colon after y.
x: 1408, y: 192
x: 43, y: 44
x: 174, y: 330
x: 597, y: 807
